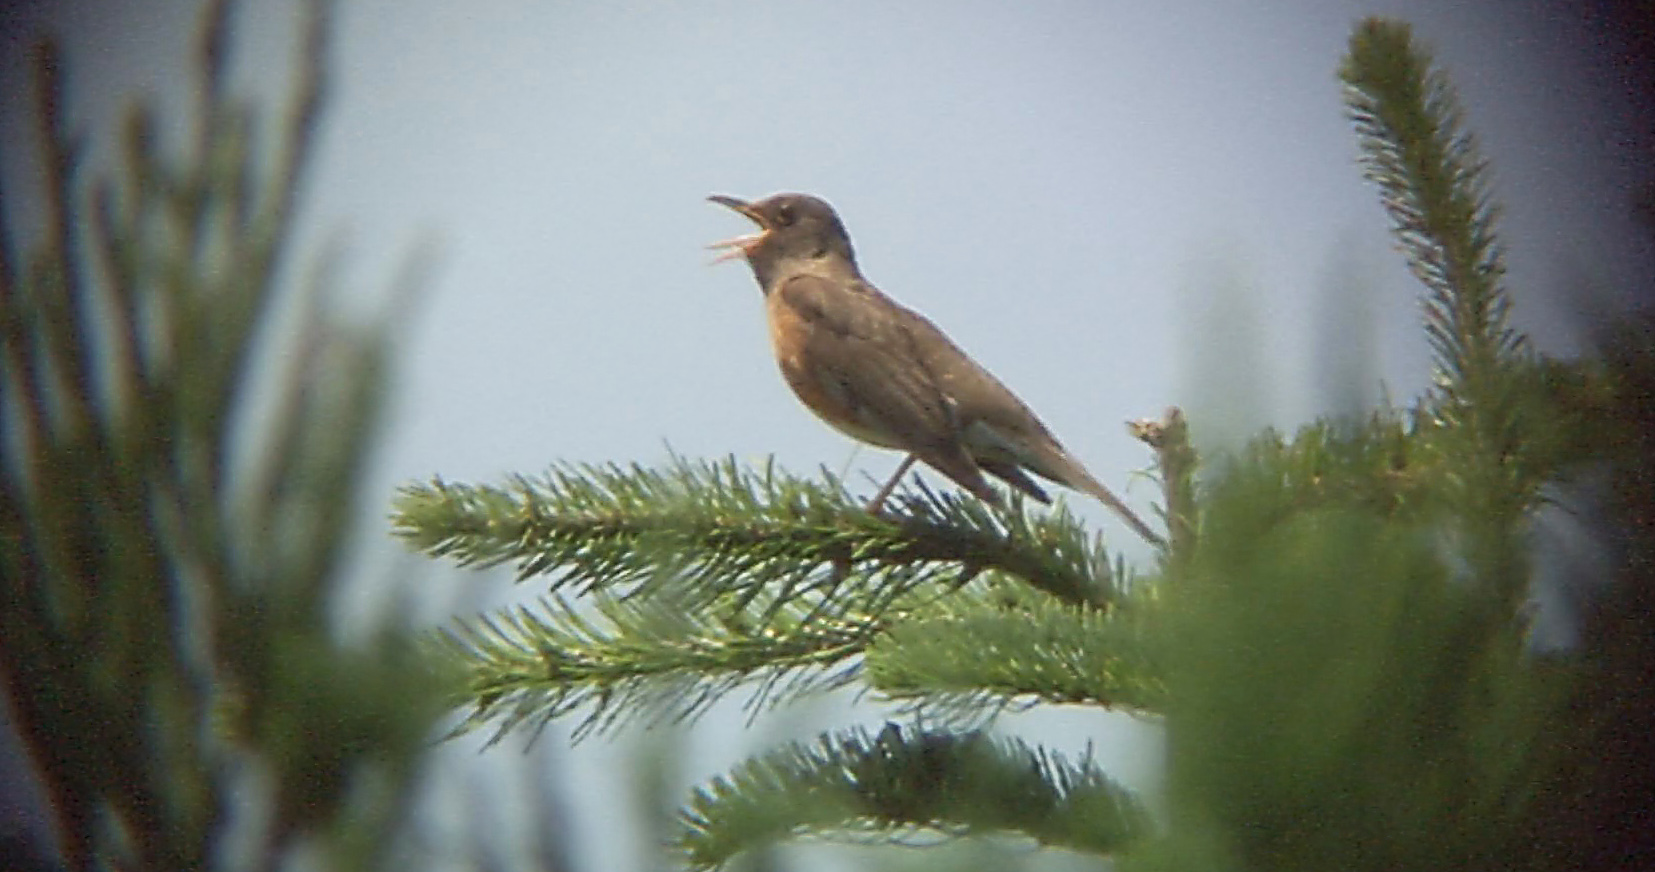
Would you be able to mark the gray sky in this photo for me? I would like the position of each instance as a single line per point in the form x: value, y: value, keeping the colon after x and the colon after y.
x: 1114, y: 206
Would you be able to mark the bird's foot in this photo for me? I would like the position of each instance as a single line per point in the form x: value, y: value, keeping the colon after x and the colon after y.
x: 878, y: 501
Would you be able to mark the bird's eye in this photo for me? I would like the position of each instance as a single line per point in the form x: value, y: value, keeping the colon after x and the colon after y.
x: 785, y: 214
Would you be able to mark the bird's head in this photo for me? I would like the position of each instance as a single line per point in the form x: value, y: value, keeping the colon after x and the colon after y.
x: 794, y: 229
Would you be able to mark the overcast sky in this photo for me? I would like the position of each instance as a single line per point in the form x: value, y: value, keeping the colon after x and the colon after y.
x: 1114, y: 206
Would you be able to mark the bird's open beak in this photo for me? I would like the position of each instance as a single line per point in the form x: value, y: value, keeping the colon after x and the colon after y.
x: 738, y: 246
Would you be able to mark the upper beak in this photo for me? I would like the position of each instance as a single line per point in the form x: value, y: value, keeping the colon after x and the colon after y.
x: 738, y: 246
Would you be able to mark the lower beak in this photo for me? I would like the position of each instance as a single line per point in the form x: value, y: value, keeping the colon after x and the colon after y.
x: 738, y: 246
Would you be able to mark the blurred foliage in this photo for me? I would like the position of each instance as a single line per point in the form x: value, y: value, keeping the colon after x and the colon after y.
x: 179, y: 481
x: 905, y: 780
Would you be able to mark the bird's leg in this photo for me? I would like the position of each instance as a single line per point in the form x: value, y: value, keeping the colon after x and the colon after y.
x: 878, y: 500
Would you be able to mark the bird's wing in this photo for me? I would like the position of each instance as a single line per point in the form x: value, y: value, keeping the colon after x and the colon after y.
x: 1000, y: 431
x: 981, y: 401
x: 977, y: 394
x: 847, y: 353
x: 863, y: 361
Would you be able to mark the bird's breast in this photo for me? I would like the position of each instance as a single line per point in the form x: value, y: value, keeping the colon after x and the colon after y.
x: 814, y: 382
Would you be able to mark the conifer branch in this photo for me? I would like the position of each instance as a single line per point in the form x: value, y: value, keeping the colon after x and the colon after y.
x: 637, y: 659
x: 730, y: 534
x: 621, y: 660
x: 902, y: 782
x: 1176, y: 460
x: 1433, y: 182
x: 701, y: 578
x: 978, y: 650
x: 163, y: 634
x: 1394, y: 464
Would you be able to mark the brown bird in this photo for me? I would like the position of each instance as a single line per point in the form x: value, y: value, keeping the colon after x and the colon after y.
x: 883, y: 373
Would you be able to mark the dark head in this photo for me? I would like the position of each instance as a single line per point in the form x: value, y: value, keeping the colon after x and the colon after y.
x: 794, y: 229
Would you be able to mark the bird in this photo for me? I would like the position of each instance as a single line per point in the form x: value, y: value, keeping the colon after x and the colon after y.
x: 884, y: 374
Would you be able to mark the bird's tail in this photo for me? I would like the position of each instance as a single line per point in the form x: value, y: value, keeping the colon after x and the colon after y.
x: 1048, y: 459
x: 1095, y: 488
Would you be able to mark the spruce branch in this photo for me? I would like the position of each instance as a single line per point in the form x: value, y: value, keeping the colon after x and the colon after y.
x: 1433, y: 182
x: 731, y: 534
x: 700, y: 578
x: 987, y: 649
x: 636, y: 659
x: 903, y: 782
x: 1177, y: 461
x: 1493, y: 410
x: 1393, y: 463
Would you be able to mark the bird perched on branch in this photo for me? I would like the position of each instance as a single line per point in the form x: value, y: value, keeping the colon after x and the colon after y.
x: 883, y: 373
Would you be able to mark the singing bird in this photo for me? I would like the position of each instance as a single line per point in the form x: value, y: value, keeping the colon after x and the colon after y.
x: 883, y: 373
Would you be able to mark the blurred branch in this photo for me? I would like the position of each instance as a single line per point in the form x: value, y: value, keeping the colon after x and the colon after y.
x: 163, y: 642
x: 903, y: 782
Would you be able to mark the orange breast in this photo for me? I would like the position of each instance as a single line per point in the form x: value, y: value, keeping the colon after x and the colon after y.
x: 816, y: 387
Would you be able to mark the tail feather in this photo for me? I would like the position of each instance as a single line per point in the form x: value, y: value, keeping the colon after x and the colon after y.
x: 1093, y: 487
x: 1057, y: 465
x: 966, y: 469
